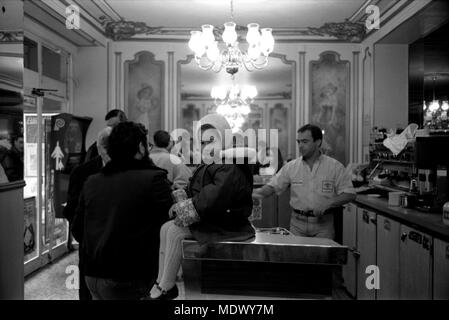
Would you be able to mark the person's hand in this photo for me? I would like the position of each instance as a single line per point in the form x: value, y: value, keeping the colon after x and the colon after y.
x: 321, y: 207
x: 172, y: 211
x: 257, y: 195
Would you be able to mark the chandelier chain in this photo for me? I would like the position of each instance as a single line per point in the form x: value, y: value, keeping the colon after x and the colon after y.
x: 232, y: 10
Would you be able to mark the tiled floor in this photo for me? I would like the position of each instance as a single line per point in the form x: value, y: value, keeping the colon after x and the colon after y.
x: 49, y: 283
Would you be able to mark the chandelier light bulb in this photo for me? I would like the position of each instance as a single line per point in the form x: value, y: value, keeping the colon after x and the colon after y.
x: 210, y: 55
x: 253, y: 35
x: 208, y: 37
x: 253, y: 52
x: 229, y: 35
x: 266, y: 41
x: 212, y: 51
x: 434, y: 106
x: 445, y: 106
x: 196, y: 44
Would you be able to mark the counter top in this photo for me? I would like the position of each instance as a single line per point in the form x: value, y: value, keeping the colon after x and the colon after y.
x: 267, y: 247
x: 431, y: 223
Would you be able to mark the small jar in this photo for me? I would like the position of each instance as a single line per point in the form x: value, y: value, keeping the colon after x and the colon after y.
x: 446, y: 213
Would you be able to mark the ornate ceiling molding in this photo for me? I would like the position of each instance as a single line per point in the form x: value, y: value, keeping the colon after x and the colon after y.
x: 125, y: 30
x: 346, y: 31
x: 342, y: 31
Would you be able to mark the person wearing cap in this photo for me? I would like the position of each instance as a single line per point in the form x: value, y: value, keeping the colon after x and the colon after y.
x: 319, y: 185
x: 218, y: 203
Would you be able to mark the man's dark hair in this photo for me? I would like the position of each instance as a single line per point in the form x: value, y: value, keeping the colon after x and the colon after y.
x: 116, y: 113
x: 316, y: 132
x: 161, y: 139
x: 15, y: 137
x: 123, y: 143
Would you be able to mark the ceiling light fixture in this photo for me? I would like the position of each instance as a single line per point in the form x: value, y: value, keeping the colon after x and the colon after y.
x: 234, y: 103
x: 209, y: 57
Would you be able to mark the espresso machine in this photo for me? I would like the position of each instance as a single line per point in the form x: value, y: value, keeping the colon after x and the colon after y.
x: 432, y: 163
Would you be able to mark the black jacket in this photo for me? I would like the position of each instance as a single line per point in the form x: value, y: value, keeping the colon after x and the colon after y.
x: 120, y: 213
x: 92, y: 152
x: 78, y: 177
x: 12, y: 162
x: 221, y: 194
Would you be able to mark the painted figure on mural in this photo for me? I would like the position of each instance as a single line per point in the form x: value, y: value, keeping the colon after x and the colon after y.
x: 147, y: 109
x: 331, y: 119
x: 279, y: 121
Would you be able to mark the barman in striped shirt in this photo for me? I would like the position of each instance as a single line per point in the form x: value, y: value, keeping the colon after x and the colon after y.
x: 318, y: 186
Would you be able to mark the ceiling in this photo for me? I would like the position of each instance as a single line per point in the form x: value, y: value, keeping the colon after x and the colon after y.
x: 149, y: 20
x: 174, y: 19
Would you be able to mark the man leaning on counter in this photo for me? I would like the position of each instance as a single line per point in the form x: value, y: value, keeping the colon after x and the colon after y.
x: 319, y: 184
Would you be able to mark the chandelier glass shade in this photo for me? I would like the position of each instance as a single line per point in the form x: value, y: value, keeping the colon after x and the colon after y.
x: 211, y: 55
x: 234, y: 103
x: 436, y: 112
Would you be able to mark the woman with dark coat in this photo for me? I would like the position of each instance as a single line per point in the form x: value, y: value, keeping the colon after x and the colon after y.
x: 219, y: 200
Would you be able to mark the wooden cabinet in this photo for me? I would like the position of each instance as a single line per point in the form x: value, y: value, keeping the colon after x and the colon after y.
x: 440, y: 270
x: 366, y: 245
x: 415, y: 265
x: 388, y: 233
x: 350, y: 240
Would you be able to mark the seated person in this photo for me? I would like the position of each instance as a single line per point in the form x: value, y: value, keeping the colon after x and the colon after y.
x: 220, y: 200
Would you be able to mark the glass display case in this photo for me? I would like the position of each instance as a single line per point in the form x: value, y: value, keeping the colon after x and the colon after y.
x: 45, y: 236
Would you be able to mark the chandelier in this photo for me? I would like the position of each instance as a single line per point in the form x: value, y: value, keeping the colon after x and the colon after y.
x: 233, y: 103
x: 208, y: 54
x: 436, y: 113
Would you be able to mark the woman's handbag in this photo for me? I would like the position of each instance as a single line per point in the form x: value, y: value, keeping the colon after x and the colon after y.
x: 185, y: 213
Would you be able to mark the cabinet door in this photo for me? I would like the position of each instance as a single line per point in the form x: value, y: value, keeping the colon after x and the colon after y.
x: 366, y: 245
x: 414, y: 265
x: 350, y: 240
x: 440, y: 270
x: 388, y: 232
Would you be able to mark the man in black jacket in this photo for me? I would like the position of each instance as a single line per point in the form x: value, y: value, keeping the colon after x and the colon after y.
x: 77, y: 179
x: 119, y: 216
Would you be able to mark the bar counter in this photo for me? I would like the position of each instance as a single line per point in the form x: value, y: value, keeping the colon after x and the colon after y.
x: 270, y: 265
x: 431, y: 223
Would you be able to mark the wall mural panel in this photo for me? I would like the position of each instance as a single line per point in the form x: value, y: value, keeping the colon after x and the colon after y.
x: 330, y: 102
x: 144, y: 91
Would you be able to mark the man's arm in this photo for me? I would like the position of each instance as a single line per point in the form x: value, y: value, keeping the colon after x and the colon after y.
x: 263, y: 192
x: 181, y: 176
x: 277, y: 184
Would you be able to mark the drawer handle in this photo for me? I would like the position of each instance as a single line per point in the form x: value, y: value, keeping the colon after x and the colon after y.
x: 404, y: 236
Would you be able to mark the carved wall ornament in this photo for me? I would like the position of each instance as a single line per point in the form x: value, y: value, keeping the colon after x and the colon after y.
x: 347, y: 31
x: 123, y: 30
